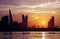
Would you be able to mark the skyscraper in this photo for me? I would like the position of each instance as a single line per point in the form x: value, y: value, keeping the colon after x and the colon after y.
x: 51, y: 23
x: 5, y: 19
x: 24, y: 21
x: 4, y: 22
x: 10, y: 18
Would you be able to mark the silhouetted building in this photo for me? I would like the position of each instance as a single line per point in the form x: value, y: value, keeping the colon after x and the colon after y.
x: 8, y: 24
x: 4, y: 22
x: 16, y: 25
x: 20, y: 26
x: 51, y: 23
x: 25, y: 21
x: 10, y: 18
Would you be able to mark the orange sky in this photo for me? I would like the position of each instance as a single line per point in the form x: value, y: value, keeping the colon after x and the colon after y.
x: 34, y: 18
x: 37, y: 18
x: 37, y: 10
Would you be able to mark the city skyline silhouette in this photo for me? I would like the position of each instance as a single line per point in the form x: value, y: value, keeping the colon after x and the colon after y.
x: 7, y: 23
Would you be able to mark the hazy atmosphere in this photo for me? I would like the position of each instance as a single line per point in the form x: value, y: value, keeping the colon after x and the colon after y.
x: 38, y: 11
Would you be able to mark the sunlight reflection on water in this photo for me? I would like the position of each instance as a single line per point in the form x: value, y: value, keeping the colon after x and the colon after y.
x: 43, y: 35
x: 30, y: 35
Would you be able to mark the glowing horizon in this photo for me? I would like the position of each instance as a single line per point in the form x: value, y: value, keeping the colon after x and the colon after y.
x: 37, y: 10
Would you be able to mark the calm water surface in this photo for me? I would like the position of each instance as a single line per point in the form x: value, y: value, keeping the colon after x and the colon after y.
x: 31, y: 35
x: 36, y: 35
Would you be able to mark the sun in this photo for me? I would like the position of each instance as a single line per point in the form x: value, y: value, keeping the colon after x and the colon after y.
x: 43, y: 22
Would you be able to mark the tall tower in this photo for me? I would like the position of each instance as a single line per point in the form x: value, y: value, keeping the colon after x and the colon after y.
x: 26, y: 20
x: 51, y: 23
x: 23, y: 20
x: 10, y: 18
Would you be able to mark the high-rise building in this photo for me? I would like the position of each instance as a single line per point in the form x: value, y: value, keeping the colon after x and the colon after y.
x: 51, y: 23
x: 4, y: 22
x: 24, y: 21
x: 10, y: 18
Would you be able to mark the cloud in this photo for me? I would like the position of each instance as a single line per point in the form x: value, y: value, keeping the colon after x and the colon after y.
x: 54, y: 4
x: 8, y: 2
x: 23, y: 2
x: 28, y: 6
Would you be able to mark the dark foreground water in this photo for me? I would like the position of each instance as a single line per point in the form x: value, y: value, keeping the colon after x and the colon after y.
x: 30, y: 35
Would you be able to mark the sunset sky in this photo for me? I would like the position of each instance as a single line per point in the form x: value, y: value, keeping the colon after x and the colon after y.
x: 39, y: 11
